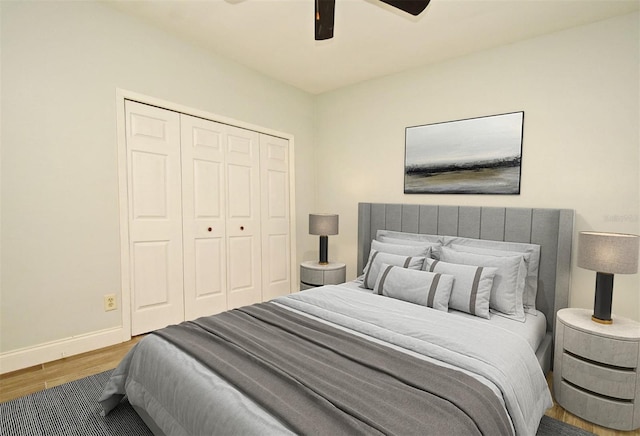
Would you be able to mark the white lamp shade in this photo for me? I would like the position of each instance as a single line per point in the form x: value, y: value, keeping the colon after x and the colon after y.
x: 323, y: 224
x: 612, y: 253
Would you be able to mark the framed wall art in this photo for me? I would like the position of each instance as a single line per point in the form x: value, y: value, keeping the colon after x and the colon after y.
x: 471, y: 156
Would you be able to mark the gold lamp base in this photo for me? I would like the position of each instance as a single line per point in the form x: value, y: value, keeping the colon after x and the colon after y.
x: 601, y: 321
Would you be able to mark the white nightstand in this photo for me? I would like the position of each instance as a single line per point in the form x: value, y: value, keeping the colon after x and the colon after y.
x: 313, y: 274
x: 595, y: 369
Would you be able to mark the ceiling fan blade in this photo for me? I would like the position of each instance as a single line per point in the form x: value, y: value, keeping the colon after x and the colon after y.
x: 413, y: 7
x: 325, y: 13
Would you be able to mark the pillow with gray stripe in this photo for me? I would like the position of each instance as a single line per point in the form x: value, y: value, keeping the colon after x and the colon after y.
x: 403, y: 250
x: 530, y: 254
x: 508, y: 284
x: 471, y: 286
x: 418, y: 287
x: 377, y: 258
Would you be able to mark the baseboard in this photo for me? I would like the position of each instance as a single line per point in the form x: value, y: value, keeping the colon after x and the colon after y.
x: 42, y: 353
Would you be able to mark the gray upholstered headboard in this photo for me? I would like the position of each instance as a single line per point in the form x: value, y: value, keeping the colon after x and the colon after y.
x: 552, y: 229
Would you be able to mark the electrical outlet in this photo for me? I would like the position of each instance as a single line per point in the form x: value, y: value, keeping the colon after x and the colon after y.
x: 110, y: 302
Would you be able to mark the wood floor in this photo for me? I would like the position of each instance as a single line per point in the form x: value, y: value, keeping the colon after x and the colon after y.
x: 560, y: 414
x: 30, y: 380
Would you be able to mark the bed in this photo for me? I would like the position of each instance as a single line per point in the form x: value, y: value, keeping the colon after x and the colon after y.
x: 414, y: 345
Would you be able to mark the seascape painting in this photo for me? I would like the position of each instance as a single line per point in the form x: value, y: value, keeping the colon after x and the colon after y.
x: 472, y: 156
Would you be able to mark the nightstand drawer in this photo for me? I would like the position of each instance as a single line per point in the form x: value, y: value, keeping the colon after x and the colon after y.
x: 334, y: 277
x: 601, y: 349
x: 304, y: 286
x: 314, y: 274
x: 311, y: 276
x: 599, y: 379
x: 599, y: 410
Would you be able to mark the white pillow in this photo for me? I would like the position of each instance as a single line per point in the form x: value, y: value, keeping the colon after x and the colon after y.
x: 405, y: 241
x: 404, y: 238
x: 471, y: 286
x: 418, y: 287
x: 377, y: 258
x: 404, y: 250
x: 508, y: 283
x: 530, y: 251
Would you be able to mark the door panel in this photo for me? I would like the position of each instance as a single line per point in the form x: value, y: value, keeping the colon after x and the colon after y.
x: 277, y: 189
x: 207, y: 201
x: 243, y: 217
x: 151, y: 274
x: 149, y: 180
x: 240, y: 264
x: 155, y: 216
x: 208, y: 277
x: 276, y: 242
x: 278, y: 271
x: 241, y: 145
x: 203, y: 155
x: 241, y: 183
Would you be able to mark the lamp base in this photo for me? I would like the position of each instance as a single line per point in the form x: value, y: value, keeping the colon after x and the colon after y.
x: 601, y: 321
x: 324, y: 250
x: 604, y: 295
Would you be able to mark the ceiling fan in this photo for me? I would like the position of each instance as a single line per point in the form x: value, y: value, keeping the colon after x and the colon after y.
x: 325, y: 12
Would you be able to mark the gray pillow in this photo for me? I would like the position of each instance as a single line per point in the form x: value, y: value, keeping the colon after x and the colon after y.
x: 377, y: 258
x: 471, y: 286
x: 508, y: 283
x: 418, y: 287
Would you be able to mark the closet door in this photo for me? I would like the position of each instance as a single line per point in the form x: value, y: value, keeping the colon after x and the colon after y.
x: 155, y: 216
x: 203, y: 205
x: 274, y: 184
x: 242, y: 156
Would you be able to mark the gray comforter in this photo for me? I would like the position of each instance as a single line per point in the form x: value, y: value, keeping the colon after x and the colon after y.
x: 494, y: 354
x: 321, y: 380
x: 201, y: 402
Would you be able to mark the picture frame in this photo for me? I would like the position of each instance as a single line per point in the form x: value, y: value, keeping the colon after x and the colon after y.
x: 481, y: 155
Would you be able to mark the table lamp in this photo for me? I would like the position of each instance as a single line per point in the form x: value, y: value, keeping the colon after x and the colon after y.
x: 323, y: 224
x: 607, y: 254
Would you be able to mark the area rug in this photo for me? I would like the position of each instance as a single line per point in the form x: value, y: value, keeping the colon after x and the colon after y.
x: 69, y: 409
x: 72, y: 409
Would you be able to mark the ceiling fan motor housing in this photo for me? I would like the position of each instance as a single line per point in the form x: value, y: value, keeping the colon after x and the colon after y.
x: 325, y: 13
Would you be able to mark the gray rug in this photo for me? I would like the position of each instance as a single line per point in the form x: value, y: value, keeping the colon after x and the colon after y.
x: 72, y: 409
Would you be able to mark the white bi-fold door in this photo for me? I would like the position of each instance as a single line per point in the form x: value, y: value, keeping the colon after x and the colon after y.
x: 221, y: 216
x: 204, y: 210
x: 218, y: 196
x: 155, y: 217
x: 276, y: 237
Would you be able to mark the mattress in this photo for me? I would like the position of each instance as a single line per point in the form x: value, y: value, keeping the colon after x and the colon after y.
x: 182, y: 396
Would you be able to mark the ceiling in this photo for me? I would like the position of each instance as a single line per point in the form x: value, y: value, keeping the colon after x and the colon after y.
x: 371, y: 39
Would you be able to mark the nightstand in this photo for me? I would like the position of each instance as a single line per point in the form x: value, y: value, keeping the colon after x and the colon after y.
x: 595, y: 369
x: 313, y: 274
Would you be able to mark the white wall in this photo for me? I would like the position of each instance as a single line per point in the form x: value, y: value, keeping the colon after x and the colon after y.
x: 579, y: 90
x: 61, y: 65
